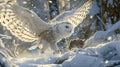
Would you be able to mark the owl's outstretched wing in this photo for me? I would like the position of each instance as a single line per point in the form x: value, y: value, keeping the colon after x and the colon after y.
x: 21, y: 22
x: 75, y: 16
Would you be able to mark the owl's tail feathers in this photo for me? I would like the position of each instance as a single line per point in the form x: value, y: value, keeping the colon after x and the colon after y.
x: 8, y: 2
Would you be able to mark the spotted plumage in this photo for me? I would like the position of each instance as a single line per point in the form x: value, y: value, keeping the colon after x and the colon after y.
x: 28, y: 26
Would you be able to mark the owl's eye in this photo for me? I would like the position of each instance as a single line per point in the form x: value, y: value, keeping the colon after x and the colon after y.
x: 66, y: 26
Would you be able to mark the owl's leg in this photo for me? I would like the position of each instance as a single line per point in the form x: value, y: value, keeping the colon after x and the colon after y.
x: 44, y: 45
x: 54, y: 47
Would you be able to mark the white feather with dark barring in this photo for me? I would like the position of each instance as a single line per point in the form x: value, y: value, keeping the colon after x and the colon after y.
x: 28, y: 26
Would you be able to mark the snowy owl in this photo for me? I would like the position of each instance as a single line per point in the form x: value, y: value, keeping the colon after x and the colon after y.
x: 28, y: 26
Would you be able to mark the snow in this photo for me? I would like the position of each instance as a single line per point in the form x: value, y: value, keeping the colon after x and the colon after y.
x: 95, y: 9
x: 99, y: 56
x: 97, y: 38
x: 100, y: 50
x: 24, y: 2
x: 114, y: 27
x: 102, y: 36
x: 95, y: 56
x: 110, y: 2
x: 4, y: 62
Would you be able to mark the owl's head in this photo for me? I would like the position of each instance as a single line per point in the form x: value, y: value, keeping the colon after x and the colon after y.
x: 65, y: 29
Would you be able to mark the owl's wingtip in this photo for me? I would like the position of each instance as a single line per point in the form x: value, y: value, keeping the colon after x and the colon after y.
x: 8, y: 1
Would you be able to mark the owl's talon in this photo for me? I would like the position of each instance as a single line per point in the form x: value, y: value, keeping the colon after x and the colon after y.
x: 57, y: 52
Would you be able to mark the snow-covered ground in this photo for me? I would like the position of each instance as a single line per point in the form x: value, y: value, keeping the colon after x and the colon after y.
x: 100, y: 56
x: 103, y: 55
x: 100, y: 50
